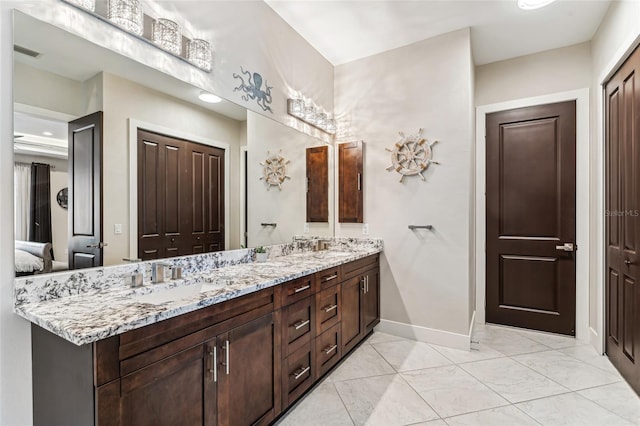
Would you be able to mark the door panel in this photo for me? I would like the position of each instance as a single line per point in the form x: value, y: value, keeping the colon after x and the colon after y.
x: 318, y: 184
x: 85, y: 192
x: 622, y: 130
x: 371, y: 308
x: 350, y: 174
x: 180, y: 197
x: 351, y: 313
x: 531, y: 210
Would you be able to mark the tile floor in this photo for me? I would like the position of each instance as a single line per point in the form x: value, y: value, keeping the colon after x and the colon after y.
x: 516, y: 377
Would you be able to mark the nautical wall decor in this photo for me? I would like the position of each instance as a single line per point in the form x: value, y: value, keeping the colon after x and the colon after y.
x: 411, y: 155
x: 252, y: 89
x: 274, y: 170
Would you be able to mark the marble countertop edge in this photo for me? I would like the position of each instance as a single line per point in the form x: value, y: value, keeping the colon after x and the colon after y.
x: 86, y: 326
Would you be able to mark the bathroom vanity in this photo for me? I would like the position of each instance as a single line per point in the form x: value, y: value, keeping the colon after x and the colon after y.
x: 234, y: 345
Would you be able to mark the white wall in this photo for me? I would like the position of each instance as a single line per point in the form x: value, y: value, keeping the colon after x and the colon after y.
x: 243, y: 33
x: 425, y: 274
x: 286, y: 207
x: 617, y: 36
x: 125, y: 100
x: 552, y: 71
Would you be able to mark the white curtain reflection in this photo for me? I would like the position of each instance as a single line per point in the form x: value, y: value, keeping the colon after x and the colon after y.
x: 21, y: 197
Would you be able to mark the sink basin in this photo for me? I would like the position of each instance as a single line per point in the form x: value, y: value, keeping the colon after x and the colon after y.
x: 176, y: 293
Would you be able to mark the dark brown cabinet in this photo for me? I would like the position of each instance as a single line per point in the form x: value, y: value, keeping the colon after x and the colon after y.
x: 240, y: 362
x: 350, y: 183
x: 180, y: 197
x: 318, y: 184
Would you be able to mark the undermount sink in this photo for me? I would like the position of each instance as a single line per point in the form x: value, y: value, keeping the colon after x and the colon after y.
x: 177, y: 293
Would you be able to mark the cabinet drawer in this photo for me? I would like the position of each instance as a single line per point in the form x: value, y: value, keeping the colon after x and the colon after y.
x: 298, y: 289
x: 298, y: 373
x: 328, y: 350
x: 298, y: 325
x: 356, y: 267
x: 328, y: 278
x: 328, y: 308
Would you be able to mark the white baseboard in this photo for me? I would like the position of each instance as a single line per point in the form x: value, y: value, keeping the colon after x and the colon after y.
x: 424, y: 334
x: 595, y: 341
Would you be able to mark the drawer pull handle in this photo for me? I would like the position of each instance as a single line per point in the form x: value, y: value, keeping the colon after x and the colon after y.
x: 331, y: 277
x: 303, y: 288
x: 329, y: 308
x: 226, y: 356
x: 330, y: 349
x: 300, y: 324
x: 300, y: 373
x: 214, y: 361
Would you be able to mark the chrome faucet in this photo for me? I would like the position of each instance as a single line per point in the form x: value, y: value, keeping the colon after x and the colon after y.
x: 321, y: 244
x: 158, y: 272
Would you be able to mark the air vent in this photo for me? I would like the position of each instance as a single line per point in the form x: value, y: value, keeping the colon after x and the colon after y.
x: 26, y: 51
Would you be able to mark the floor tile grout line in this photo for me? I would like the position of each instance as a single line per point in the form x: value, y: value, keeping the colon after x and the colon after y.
x: 572, y: 390
x: 606, y: 358
x: 543, y: 375
x: 527, y: 414
x: 421, y: 397
x: 489, y: 409
x: 602, y: 406
x: 344, y: 404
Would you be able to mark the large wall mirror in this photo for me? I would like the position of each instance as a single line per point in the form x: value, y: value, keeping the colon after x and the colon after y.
x: 178, y: 175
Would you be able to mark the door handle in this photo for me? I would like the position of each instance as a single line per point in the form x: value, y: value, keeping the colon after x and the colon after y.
x: 214, y: 368
x: 98, y: 246
x: 628, y: 262
x: 567, y: 247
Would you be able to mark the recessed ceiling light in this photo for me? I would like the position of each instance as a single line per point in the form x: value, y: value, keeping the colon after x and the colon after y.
x: 533, y: 4
x: 209, y: 97
x: 47, y: 134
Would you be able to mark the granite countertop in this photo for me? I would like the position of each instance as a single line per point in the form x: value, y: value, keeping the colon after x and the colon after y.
x: 89, y: 317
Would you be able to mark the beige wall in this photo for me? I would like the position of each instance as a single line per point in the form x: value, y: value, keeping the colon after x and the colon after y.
x: 125, y: 100
x: 46, y: 90
x: 425, y: 274
x: 553, y: 71
x: 59, y: 217
x: 286, y: 207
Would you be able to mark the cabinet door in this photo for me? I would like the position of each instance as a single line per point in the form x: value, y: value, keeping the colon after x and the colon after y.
x: 371, y: 303
x: 352, y: 329
x: 350, y: 182
x: 318, y: 184
x: 249, y: 374
x: 177, y: 390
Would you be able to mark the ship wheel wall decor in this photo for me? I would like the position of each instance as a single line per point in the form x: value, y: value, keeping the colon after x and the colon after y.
x: 274, y: 170
x: 411, y: 155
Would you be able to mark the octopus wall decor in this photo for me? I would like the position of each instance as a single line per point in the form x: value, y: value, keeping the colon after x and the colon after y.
x: 274, y: 170
x: 252, y: 89
x: 411, y: 155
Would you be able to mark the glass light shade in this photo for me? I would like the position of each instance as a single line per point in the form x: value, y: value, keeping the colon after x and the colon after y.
x: 295, y: 107
x: 321, y: 120
x: 199, y: 53
x: 85, y: 4
x: 167, y: 35
x: 127, y: 14
x: 533, y: 4
x: 330, y: 127
x: 310, y: 115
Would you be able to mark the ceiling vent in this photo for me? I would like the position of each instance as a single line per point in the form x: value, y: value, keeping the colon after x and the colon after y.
x: 26, y: 51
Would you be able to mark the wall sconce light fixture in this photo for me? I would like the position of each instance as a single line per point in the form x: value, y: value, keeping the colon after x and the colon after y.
x: 311, y: 115
x: 128, y: 15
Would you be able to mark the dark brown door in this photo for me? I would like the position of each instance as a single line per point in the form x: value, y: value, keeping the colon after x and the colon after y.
x: 352, y: 329
x: 249, y: 375
x: 622, y: 112
x: 180, y: 197
x: 179, y: 390
x: 318, y: 184
x: 85, y: 192
x: 350, y: 172
x: 531, y: 214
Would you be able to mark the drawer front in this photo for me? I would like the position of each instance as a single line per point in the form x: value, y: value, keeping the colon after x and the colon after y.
x: 328, y: 277
x: 328, y: 308
x: 298, y: 325
x: 356, y: 267
x: 328, y: 350
x: 298, y: 289
x: 298, y: 373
